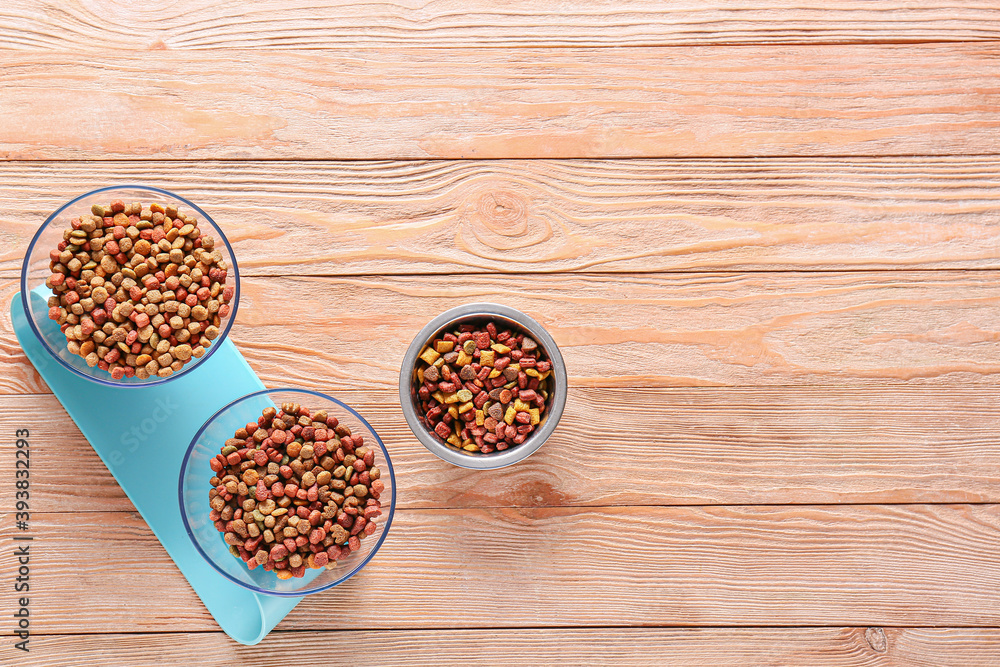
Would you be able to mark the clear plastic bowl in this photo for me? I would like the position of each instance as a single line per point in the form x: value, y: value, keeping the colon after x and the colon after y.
x: 194, y: 485
x: 35, y: 271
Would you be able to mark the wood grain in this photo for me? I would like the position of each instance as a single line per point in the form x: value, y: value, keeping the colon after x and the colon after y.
x: 516, y: 216
x: 487, y: 103
x: 905, y: 565
x: 298, y: 24
x: 780, y: 445
x: 739, y: 402
x: 774, y: 329
x: 840, y: 647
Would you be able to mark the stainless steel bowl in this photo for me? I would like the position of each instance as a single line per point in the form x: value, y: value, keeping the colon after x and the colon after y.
x: 471, y: 313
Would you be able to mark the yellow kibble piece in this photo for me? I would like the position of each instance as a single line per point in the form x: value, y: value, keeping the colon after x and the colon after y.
x: 494, y: 374
x: 520, y: 405
x: 463, y: 359
x: 471, y: 448
x: 535, y: 416
x: 500, y: 348
x: 429, y: 356
x: 438, y: 396
x: 531, y: 372
x: 465, y: 407
x: 480, y: 417
x: 486, y: 357
x: 450, y: 398
x: 464, y: 395
x: 454, y: 440
x: 509, y: 416
x: 420, y: 375
x: 453, y: 411
x: 444, y: 346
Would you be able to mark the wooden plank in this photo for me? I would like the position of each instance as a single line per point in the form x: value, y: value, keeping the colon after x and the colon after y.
x: 840, y: 647
x: 488, y: 103
x: 351, y: 218
x: 774, y: 329
x: 907, y: 565
x: 779, y: 445
x: 283, y: 24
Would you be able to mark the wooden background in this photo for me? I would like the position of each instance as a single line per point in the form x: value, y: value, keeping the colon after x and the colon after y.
x: 764, y: 235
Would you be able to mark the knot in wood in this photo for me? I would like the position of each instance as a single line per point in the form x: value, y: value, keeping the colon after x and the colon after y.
x: 876, y: 639
x: 503, y: 212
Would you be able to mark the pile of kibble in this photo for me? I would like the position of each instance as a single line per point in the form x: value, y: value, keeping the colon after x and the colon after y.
x: 138, y: 291
x: 295, y: 490
x: 482, y: 389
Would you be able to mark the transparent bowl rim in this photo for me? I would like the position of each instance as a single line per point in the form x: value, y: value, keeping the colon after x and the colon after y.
x: 110, y: 382
x: 257, y: 589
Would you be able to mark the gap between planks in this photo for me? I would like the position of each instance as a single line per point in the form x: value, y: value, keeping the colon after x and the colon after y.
x: 689, y: 157
x: 527, y: 628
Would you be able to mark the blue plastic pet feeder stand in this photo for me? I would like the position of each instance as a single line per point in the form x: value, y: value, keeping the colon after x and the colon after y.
x: 151, y: 429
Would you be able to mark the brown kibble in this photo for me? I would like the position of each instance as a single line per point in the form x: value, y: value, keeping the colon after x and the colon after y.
x: 126, y: 259
x: 240, y: 528
x: 311, y: 513
x: 496, y: 411
x: 432, y: 374
x: 142, y: 247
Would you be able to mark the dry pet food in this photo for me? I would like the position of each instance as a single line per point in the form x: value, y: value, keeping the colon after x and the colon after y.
x: 137, y: 290
x: 482, y: 389
x: 295, y: 490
